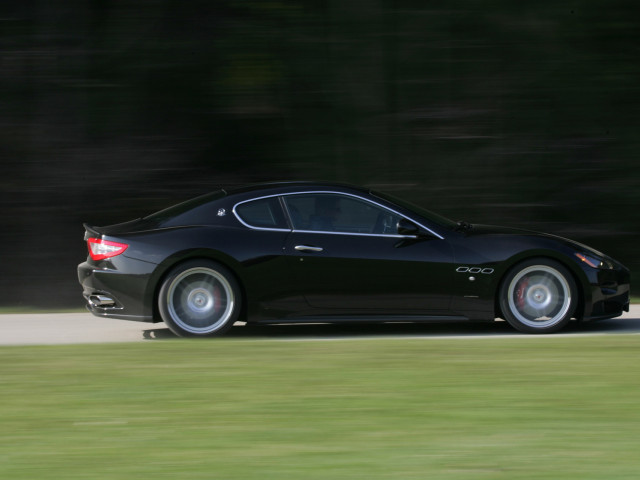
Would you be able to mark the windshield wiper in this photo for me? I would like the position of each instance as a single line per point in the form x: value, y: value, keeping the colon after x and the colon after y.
x: 463, y: 226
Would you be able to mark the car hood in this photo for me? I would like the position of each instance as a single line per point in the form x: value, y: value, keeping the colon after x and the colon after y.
x: 478, y: 229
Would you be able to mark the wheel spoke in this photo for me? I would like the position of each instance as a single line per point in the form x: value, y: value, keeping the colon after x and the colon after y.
x: 539, y: 296
x: 200, y: 300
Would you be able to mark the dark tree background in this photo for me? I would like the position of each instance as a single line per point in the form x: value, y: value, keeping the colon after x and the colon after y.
x: 495, y: 111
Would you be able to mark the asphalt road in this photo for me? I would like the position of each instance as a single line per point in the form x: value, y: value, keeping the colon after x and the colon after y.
x: 78, y: 328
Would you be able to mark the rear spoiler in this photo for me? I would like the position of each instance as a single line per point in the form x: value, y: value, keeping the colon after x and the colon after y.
x: 91, y: 231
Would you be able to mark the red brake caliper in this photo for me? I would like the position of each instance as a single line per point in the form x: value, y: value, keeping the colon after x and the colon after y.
x: 520, y: 292
x: 217, y: 298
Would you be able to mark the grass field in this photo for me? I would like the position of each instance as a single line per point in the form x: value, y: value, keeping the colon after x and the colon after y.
x: 478, y: 408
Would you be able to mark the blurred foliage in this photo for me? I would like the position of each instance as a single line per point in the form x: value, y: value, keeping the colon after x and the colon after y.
x: 519, y: 113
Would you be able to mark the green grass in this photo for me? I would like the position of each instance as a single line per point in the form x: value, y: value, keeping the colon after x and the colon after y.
x: 523, y: 407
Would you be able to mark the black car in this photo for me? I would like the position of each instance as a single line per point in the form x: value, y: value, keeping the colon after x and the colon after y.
x: 308, y: 252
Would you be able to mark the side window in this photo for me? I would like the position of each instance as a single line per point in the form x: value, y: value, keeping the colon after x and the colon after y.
x: 262, y: 213
x: 329, y: 212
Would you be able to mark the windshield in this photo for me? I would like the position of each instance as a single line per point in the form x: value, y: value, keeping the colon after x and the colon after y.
x: 183, y: 207
x: 423, y: 212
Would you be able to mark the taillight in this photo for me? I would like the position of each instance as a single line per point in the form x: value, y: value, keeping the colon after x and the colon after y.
x: 100, y: 249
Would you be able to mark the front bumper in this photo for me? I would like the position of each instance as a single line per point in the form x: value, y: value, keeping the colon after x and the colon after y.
x: 610, y: 293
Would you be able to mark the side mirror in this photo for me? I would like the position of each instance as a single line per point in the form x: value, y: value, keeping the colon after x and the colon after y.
x: 408, y: 228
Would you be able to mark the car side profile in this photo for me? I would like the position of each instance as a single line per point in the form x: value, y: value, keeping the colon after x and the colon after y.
x: 319, y: 252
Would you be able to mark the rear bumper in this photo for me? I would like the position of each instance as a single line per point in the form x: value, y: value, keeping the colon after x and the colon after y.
x: 117, y: 291
x: 114, y: 313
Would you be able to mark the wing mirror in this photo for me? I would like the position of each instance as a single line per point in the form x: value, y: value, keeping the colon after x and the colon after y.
x: 408, y: 228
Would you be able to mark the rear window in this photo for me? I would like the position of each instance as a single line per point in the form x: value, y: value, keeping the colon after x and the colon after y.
x: 262, y: 213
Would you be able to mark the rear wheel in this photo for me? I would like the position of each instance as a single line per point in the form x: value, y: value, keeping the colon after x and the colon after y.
x: 199, y: 298
x: 538, y: 296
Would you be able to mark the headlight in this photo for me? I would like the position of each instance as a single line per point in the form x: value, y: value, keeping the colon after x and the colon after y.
x: 595, y: 262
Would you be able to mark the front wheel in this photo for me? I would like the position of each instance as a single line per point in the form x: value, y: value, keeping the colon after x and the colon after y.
x: 199, y: 298
x: 538, y: 296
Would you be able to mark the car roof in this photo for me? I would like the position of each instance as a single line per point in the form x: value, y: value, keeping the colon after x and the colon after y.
x: 295, y: 186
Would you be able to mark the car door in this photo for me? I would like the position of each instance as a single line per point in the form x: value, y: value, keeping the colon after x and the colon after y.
x: 345, y: 254
x: 266, y: 278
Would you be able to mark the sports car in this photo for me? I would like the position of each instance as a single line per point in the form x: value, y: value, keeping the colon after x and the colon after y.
x: 320, y: 252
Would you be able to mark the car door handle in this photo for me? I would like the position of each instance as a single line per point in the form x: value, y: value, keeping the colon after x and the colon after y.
x: 307, y: 248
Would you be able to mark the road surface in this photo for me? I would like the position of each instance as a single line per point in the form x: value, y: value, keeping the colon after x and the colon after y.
x: 78, y: 328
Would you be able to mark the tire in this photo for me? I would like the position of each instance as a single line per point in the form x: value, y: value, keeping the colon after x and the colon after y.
x: 199, y: 298
x: 538, y: 296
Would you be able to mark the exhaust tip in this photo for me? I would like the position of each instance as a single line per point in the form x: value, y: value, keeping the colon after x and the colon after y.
x: 102, y: 301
